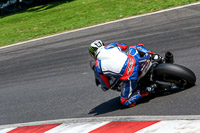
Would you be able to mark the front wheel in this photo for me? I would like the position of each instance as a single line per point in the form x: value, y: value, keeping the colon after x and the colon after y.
x: 180, y: 75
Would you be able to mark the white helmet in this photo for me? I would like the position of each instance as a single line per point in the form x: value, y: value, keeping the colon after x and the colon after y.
x: 95, y: 48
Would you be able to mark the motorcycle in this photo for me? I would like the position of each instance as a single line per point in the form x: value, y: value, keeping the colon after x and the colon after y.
x: 161, y: 77
x: 166, y: 77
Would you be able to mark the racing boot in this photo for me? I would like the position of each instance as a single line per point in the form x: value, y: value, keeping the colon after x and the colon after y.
x: 169, y: 58
x: 132, y: 101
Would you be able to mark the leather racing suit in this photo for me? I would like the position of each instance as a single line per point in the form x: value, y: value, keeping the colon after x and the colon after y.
x: 112, y: 61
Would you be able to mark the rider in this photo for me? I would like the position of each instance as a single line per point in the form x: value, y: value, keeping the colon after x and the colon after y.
x: 112, y: 61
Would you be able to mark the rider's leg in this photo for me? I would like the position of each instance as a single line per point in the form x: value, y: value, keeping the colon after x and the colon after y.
x: 126, y: 93
x: 127, y: 97
x: 129, y: 85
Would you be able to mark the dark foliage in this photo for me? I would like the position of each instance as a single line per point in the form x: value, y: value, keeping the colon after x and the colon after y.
x: 12, y: 6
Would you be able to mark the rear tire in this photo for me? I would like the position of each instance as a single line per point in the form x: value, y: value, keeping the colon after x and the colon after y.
x: 180, y: 75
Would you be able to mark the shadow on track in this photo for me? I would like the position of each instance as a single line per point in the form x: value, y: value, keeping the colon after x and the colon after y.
x: 114, y: 104
x: 106, y: 107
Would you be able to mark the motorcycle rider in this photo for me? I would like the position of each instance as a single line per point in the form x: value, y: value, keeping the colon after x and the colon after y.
x: 112, y: 61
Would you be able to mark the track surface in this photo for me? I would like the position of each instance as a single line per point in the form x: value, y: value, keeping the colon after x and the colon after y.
x: 50, y: 78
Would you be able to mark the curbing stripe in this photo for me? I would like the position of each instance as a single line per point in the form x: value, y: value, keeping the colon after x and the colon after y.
x: 125, y: 126
x: 180, y: 126
x: 172, y: 126
x: 34, y: 129
x: 110, y: 118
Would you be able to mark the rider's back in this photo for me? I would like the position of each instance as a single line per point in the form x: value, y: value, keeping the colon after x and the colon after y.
x: 112, y: 60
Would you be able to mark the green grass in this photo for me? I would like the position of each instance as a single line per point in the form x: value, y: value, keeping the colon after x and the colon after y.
x: 67, y: 15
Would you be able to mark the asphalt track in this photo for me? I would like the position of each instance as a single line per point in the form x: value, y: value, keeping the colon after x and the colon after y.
x: 50, y: 79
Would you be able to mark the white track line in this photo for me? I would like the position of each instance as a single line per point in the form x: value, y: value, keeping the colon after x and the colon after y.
x: 133, y: 17
x: 76, y: 127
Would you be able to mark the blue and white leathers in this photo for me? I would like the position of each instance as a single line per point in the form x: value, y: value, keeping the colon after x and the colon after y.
x: 112, y: 61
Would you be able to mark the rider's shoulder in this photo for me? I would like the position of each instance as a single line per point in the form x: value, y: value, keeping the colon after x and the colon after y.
x: 115, y: 44
x: 111, y: 45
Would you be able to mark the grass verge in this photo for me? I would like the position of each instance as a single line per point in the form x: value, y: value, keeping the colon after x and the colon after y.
x: 66, y: 15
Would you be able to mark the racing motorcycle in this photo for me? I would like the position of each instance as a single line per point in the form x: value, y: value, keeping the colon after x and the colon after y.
x: 166, y: 77
x: 160, y: 76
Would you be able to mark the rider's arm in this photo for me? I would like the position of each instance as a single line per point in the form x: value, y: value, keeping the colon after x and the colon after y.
x: 141, y: 48
x: 122, y: 46
x: 103, y: 79
x: 142, y: 51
